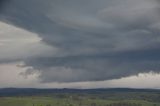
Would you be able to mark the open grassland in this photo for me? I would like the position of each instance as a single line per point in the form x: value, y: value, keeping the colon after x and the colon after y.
x: 70, y: 101
x: 78, y: 97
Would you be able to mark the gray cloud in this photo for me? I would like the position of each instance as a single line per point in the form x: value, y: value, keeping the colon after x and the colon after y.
x: 96, y: 67
x: 96, y: 40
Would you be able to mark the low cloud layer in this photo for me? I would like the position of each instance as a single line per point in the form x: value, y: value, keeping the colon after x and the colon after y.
x: 94, y: 40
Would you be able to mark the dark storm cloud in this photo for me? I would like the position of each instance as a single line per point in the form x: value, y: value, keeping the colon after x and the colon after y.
x: 97, y: 40
x: 97, y: 66
x: 2, y: 3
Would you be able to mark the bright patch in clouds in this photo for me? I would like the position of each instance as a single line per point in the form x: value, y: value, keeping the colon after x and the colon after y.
x: 12, y: 34
x: 10, y: 76
x: 16, y: 43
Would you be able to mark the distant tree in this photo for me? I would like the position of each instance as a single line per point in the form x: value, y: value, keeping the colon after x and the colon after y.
x: 80, y: 103
x: 70, y: 104
x: 93, y: 104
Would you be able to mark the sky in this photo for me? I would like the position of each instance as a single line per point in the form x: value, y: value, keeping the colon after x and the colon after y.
x: 79, y: 43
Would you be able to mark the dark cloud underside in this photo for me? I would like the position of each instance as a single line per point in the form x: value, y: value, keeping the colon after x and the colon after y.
x: 96, y: 40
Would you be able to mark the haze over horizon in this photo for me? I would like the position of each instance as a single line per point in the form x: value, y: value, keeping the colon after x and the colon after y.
x: 80, y: 43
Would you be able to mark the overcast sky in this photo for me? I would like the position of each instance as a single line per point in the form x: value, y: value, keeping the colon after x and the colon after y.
x: 79, y: 43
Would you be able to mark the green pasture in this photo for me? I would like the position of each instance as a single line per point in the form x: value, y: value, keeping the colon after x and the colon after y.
x: 52, y: 101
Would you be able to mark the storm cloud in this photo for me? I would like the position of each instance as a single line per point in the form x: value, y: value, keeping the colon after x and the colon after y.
x: 95, y: 39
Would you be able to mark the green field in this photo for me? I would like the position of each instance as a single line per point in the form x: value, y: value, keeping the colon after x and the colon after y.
x: 70, y: 101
